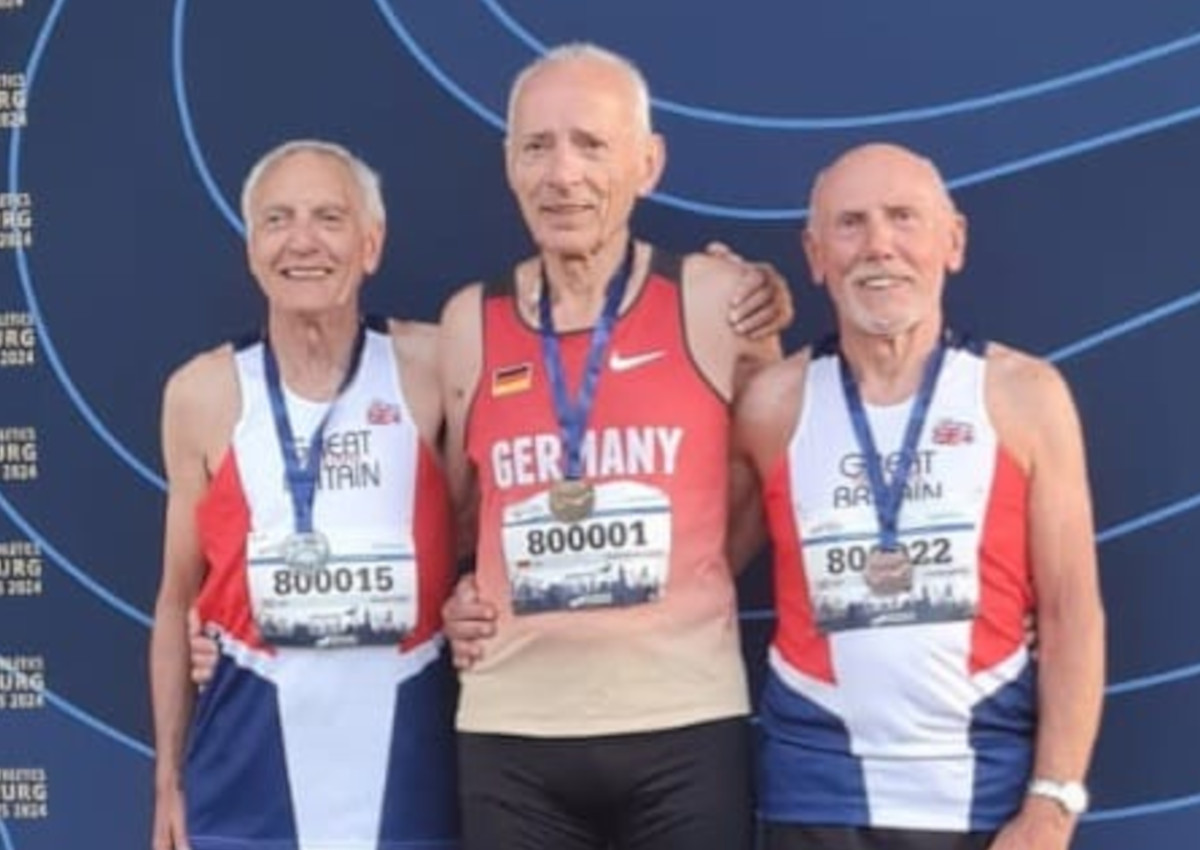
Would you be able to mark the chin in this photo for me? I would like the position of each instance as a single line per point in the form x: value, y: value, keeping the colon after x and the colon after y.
x: 883, y: 326
x: 567, y: 244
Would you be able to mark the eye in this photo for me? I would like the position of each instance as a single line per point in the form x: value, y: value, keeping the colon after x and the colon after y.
x: 331, y: 216
x: 591, y: 146
x: 848, y: 221
x: 273, y: 219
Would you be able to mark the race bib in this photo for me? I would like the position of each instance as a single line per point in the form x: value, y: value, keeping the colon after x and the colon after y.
x: 366, y: 594
x: 932, y: 577
x: 619, y: 555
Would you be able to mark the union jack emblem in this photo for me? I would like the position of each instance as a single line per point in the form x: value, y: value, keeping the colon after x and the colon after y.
x: 948, y: 432
x: 382, y: 413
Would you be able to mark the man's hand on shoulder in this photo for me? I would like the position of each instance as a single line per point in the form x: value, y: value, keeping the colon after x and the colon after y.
x: 761, y: 305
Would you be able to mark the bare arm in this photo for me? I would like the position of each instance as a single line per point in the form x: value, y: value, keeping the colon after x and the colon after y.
x: 764, y: 418
x: 747, y: 528
x: 460, y: 347
x: 729, y: 361
x: 416, y: 347
x: 1069, y: 613
x: 467, y: 618
x: 184, y: 419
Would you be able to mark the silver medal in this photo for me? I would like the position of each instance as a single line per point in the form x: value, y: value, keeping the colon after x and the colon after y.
x: 306, y: 551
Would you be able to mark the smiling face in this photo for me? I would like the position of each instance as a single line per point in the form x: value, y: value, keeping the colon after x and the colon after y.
x: 579, y: 155
x: 310, y: 241
x: 882, y: 236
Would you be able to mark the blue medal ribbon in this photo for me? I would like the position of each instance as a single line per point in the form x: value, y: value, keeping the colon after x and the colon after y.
x: 888, y: 497
x: 301, y: 478
x: 573, y: 416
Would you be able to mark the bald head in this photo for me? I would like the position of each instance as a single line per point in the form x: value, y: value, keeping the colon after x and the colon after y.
x: 882, y: 236
x: 614, y: 69
x: 878, y: 165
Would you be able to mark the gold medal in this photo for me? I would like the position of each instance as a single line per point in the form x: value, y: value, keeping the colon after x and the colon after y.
x: 572, y: 499
x: 888, y: 572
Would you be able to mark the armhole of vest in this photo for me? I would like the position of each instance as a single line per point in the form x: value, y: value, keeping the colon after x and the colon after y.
x: 821, y: 351
x: 670, y: 267
x: 241, y: 345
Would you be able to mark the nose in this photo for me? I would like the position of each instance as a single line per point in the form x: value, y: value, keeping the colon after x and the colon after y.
x: 878, y: 238
x: 301, y: 236
x: 563, y: 167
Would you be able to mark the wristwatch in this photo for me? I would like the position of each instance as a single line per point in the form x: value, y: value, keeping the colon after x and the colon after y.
x: 1072, y: 797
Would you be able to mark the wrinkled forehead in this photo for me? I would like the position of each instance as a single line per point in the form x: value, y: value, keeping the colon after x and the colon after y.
x: 306, y: 177
x: 584, y: 93
x: 879, y: 180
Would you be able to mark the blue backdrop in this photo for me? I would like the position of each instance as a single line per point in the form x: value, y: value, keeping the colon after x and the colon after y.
x: 1068, y: 131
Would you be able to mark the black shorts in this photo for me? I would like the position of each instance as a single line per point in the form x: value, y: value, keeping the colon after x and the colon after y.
x: 676, y: 789
x: 785, y: 836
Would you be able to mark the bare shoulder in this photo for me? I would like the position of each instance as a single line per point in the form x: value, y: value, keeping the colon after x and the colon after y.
x: 1021, y: 379
x: 416, y: 347
x: 715, y: 277
x: 775, y: 382
x: 415, y: 343
x: 206, y: 381
x: 727, y: 359
x: 1028, y: 400
x: 460, y: 349
x: 768, y: 408
x: 201, y: 404
x: 461, y: 311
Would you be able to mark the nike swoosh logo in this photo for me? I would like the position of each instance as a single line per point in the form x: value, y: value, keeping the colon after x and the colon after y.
x: 623, y: 364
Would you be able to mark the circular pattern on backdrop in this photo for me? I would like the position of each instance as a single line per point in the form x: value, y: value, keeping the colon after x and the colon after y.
x: 1046, y: 103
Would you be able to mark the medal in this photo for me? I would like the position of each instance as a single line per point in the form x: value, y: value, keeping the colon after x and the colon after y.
x: 888, y: 569
x: 306, y: 551
x: 572, y: 499
x: 888, y: 572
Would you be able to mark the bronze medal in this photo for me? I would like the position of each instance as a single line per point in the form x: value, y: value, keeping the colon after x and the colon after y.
x: 572, y: 499
x: 888, y: 572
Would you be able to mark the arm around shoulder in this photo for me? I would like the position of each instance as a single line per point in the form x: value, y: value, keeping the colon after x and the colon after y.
x: 727, y: 359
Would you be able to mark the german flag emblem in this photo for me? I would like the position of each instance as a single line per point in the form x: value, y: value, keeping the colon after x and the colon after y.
x: 512, y: 379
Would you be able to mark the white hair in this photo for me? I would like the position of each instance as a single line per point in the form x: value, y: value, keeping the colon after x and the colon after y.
x: 584, y: 51
x: 369, y: 186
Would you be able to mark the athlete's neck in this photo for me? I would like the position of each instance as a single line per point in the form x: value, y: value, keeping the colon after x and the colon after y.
x: 578, y: 282
x: 888, y: 369
x: 313, y: 350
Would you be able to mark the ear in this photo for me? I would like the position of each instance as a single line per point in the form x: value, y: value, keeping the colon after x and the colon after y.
x: 956, y: 256
x: 251, y: 259
x: 507, y: 153
x: 654, y: 161
x: 812, y: 252
x: 373, y: 247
